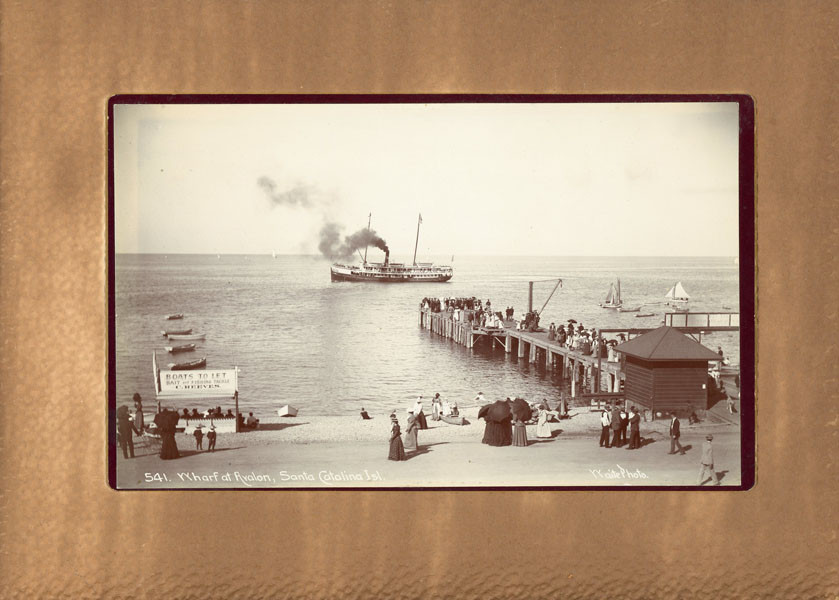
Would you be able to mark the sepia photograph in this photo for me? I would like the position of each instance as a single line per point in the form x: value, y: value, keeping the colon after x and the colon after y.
x: 447, y: 292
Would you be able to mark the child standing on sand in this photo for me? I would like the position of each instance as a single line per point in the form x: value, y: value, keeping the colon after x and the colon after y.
x: 199, y: 437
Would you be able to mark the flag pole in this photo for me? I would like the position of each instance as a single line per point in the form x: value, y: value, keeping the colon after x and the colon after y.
x: 369, y: 216
x: 417, y: 243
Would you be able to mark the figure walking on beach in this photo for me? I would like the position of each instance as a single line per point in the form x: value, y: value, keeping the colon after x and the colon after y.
x: 674, y: 435
x: 419, y: 415
x: 543, y: 430
x: 397, y: 450
x: 706, y: 465
x: 634, y: 429
x: 126, y: 429
x: 199, y: 437
x: 605, y: 421
x: 411, y: 432
x: 167, y: 421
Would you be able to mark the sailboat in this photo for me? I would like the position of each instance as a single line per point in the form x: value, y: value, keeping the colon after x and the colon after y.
x: 613, y: 297
x: 677, y: 297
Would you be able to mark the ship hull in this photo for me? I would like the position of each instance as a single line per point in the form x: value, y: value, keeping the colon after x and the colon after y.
x: 379, y: 277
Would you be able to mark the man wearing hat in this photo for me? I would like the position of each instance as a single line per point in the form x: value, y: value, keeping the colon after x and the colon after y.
x: 126, y: 429
x: 199, y: 437
x: 707, y: 463
x: 674, y: 435
x: 211, y: 439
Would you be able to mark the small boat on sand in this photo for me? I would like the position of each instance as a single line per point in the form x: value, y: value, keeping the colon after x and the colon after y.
x: 452, y: 420
x: 183, y: 348
x: 186, y: 336
x: 193, y: 364
x: 287, y: 411
x: 176, y: 332
x: 644, y: 315
x: 174, y: 317
x: 629, y: 308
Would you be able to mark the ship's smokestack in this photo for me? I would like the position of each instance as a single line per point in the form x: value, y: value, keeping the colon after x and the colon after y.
x: 387, y: 257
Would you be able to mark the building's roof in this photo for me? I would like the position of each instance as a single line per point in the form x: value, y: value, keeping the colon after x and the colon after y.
x: 666, y: 343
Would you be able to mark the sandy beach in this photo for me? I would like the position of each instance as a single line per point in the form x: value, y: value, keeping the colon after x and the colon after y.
x: 329, y: 451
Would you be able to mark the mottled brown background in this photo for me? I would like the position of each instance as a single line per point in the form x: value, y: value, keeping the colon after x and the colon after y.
x: 64, y: 533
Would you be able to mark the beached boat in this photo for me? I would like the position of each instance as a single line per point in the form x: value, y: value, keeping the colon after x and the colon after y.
x: 677, y: 297
x: 183, y: 348
x: 629, y: 308
x: 638, y: 316
x: 388, y: 272
x: 613, y: 297
x: 287, y: 411
x: 174, y: 337
x: 193, y: 364
x: 176, y: 332
x: 451, y: 420
x: 174, y: 317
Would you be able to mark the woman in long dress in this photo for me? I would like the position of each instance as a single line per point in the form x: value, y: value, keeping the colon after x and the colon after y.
x: 411, y: 432
x: 419, y: 415
x: 166, y: 422
x: 397, y: 450
x: 543, y: 430
x: 519, y: 432
x: 436, y: 405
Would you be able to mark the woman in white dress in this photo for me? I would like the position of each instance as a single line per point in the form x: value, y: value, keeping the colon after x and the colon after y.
x: 543, y: 430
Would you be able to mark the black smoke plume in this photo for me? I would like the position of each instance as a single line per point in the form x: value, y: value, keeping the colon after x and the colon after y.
x: 332, y: 247
x: 296, y: 195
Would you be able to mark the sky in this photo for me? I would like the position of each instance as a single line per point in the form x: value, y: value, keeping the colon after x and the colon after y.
x: 620, y: 179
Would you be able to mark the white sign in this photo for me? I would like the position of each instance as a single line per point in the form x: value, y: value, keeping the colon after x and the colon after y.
x: 198, y: 383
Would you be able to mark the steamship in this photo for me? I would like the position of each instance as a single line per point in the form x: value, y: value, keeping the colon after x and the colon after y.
x: 388, y: 272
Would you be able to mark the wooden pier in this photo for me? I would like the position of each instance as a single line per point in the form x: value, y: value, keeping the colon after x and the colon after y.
x: 586, y: 372
x: 581, y: 369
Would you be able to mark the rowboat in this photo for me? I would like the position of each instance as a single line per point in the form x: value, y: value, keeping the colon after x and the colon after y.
x: 645, y: 315
x: 451, y: 420
x: 193, y: 364
x: 629, y: 308
x: 287, y: 411
x: 176, y: 332
x: 184, y: 348
x: 186, y: 336
x: 174, y: 317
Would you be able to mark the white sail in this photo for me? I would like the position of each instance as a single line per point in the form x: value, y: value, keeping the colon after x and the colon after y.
x: 677, y: 293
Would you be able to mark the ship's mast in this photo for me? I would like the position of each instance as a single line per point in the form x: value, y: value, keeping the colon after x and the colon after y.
x: 419, y: 221
x: 368, y: 231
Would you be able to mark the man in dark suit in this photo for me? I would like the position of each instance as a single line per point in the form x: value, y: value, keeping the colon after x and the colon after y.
x: 674, y: 435
x: 634, y: 429
x: 616, y: 426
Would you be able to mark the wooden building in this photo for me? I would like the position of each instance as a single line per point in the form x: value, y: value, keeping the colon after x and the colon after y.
x: 666, y: 371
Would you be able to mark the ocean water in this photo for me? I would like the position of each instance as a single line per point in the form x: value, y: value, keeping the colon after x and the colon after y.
x: 330, y: 348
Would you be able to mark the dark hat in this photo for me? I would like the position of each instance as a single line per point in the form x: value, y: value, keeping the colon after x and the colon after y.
x: 709, y: 437
x: 137, y: 397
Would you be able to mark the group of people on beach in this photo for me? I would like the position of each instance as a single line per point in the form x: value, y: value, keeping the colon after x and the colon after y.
x: 617, y: 420
x: 210, y: 413
x: 416, y: 420
x: 506, y: 421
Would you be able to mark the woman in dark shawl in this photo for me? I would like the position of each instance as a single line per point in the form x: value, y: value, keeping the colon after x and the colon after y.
x: 397, y: 450
x: 166, y: 422
x: 498, y: 430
